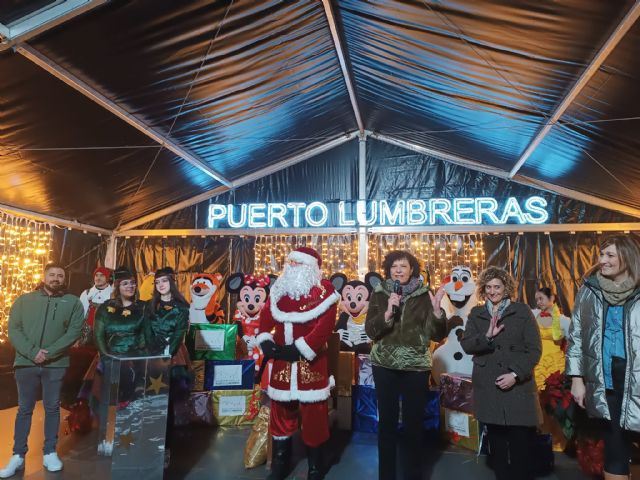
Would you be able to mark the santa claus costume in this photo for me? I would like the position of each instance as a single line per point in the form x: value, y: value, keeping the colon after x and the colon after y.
x: 295, y: 326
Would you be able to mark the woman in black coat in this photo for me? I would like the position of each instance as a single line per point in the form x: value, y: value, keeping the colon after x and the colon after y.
x: 504, y: 339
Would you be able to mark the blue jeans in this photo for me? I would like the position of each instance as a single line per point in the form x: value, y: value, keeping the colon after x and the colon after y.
x: 29, y: 380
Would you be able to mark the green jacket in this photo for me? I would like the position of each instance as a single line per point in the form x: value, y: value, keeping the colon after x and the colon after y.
x: 52, y: 323
x: 121, y: 331
x: 171, y: 321
x: 403, y: 345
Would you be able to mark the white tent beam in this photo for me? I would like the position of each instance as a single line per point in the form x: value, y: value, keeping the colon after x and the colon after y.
x: 61, y: 222
x: 521, y: 179
x: 239, y: 182
x: 509, y: 228
x: 346, y: 73
x: 43, y: 20
x: 623, y: 27
x: 93, y: 94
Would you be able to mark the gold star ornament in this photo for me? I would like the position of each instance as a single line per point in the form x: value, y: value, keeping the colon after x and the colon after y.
x: 126, y: 440
x: 111, y: 309
x: 156, y: 384
x: 126, y: 313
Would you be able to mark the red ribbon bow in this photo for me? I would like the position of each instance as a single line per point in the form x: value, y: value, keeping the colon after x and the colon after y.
x: 545, y: 314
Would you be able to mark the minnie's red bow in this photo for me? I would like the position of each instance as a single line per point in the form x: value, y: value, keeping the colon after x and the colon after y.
x: 262, y: 281
x: 545, y: 314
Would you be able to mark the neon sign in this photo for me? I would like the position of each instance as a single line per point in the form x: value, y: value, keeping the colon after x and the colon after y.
x: 362, y: 213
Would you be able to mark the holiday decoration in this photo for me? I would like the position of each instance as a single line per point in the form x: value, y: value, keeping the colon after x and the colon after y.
x: 438, y: 253
x: 205, y: 292
x: 255, y: 450
x: 456, y: 392
x: 24, y: 251
x: 339, y: 253
x: 354, y: 304
x: 460, y: 288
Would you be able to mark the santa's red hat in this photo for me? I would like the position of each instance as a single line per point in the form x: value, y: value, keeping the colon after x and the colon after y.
x: 306, y: 256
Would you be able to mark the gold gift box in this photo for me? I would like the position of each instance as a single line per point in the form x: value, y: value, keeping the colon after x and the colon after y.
x: 460, y: 428
x: 197, y: 366
x: 233, y: 408
x: 346, y: 375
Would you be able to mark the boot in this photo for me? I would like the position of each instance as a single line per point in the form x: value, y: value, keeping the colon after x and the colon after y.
x: 314, y: 457
x: 280, y: 459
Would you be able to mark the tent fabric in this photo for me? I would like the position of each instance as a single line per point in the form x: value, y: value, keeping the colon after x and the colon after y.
x: 243, y: 85
x: 393, y: 173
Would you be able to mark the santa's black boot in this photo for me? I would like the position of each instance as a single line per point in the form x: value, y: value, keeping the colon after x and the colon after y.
x: 281, y: 456
x: 314, y: 457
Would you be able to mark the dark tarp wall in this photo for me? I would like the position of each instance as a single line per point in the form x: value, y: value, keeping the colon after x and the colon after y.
x: 557, y: 260
x: 187, y: 256
x: 80, y: 253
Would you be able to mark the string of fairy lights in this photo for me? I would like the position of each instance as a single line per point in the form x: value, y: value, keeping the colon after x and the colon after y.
x: 25, y: 246
x: 437, y: 253
x: 339, y: 252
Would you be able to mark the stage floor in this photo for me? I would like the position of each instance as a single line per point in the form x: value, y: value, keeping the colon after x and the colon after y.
x: 205, y: 454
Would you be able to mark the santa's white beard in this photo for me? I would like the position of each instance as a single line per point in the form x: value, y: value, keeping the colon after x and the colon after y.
x: 296, y: 281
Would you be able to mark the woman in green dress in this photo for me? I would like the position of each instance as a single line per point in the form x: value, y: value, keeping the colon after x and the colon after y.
x: 119, y: 323
x: 168, y: 319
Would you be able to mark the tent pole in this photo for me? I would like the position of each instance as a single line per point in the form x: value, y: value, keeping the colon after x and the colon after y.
x: 93, y: 94
x: 362, y: 195
x: 110, y: 257
x: 521, y: 179
x: 346, y: 73
x: 60, y: 222
x: 611, y: 43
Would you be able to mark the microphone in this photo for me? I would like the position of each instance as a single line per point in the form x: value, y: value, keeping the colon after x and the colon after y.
x: 396, y: 289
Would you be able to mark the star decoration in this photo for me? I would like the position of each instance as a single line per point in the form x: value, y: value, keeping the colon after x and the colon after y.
x: 156, y: 384
x: 126, y: 440
x: 111, y: 309
x: 126, y: 313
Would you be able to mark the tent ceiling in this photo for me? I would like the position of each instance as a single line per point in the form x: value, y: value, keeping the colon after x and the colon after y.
x: 242, y: 84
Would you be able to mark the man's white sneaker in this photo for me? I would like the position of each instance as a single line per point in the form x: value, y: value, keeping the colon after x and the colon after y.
x: 16, y: 462
x: 51, y: 462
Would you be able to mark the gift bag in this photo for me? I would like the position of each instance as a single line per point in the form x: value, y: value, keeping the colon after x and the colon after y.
x: 255, y: 450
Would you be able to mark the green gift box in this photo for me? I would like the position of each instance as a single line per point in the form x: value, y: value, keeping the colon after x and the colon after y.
x: 212, y: 341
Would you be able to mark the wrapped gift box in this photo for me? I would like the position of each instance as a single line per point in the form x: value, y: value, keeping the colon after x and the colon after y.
x: 365, y: 371
x: 456, y: 392
x: 461, y: 429
x: 235, y: 407
x: 212, y: 341
x: 197, y: 367
x: 365, y: 409
x: 344, y: 413
x: 196, y: 409
x: 346, y: 377
x: 229, y: 374
x: 431, y: 420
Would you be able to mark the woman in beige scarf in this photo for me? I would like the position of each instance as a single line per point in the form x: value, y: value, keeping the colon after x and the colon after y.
x: 603, y: 345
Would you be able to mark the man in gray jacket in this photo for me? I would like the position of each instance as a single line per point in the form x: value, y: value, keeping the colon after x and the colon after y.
x: 42, y: 326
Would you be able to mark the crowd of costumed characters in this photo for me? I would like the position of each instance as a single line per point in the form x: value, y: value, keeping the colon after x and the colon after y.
x: 223, y: 362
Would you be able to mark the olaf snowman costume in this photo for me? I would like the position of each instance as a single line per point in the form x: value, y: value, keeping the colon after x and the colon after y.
x: 460, y: 287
